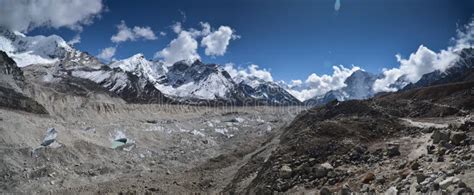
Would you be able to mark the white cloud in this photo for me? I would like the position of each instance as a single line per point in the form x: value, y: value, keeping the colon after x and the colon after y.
x: 216, y: 42
x: 75, y: 40
x: 162, y: 33
x: 177, y: 28
x: 425, y: 61
x: 249, y: 73
x: 419, y: 63
x: 107, y: 53
x: 25, y: 15
x: 125, y: 33
x: 184, y: 47
x: 316, y: 85
x: 144, y: 32
x: 295, y: 83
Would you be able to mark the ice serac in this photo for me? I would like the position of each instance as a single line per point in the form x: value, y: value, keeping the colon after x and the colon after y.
x: 358, y: 86
x: 11, y: 88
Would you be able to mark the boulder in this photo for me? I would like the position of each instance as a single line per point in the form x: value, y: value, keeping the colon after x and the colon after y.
x: 439, y: 135
x: 369, y: 177
x: 325, y: 191
x: 457, y: 137
x: 319, y: 171
x: 447, y: 182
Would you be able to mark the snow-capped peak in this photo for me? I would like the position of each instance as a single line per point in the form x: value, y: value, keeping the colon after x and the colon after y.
x: 27, y: 50
x: 140, y: 66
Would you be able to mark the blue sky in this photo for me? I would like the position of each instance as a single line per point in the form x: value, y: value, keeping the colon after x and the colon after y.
x: 292, y: 38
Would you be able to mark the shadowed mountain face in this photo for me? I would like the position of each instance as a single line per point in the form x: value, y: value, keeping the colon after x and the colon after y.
x: 11, y: 84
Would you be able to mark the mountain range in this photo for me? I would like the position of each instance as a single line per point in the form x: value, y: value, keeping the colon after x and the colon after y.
x: 139, y: 80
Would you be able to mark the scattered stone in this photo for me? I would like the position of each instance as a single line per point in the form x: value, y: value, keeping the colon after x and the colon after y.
x: 440, y: 159
x: 369, y: 177
x: 325, y: 191
x: 379, y: 179
x: 327, y: 166
x: 447, y: 182
x: 152, y: 121
x: 420, y: 177
x: 457, y: 137
x: 430, y: 149
x: 435, y: 186
x: 345, y: 190
x: 393, y: 150
x: 441, y: 151
x: 285, y: 171
x: 415, y: 165
x: 459, y: 191
x: 319, y: 171
x: 391, y: 191
x: 462, y: 185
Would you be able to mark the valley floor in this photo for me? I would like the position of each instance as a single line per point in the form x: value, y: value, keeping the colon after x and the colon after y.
x: 183, y: 149
x: 165, y: 152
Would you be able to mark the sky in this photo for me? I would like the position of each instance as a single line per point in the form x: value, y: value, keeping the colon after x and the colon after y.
x: 291, y: 39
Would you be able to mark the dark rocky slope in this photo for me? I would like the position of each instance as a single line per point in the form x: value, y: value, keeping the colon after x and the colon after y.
x: 12, y: 83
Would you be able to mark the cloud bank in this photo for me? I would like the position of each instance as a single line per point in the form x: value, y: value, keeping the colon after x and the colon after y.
x: 424, y: 61
x: 249, y: 73
x: 316, y: 85
x: 26, y: 15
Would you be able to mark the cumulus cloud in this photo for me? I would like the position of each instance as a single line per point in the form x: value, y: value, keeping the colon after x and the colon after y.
x: 249, y: 73
x: 128, y: 34
x: 216, y: 42
x: 107, y: 53
x: 185, y: 46
x: 425, y: 61
x: 25, y: 15
x: 182, y: 48
x: 316, y: 85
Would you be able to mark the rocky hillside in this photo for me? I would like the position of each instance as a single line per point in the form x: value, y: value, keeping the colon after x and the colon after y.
x: 372, y: 146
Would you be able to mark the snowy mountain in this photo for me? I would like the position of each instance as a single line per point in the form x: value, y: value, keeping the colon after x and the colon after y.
x: 26, y: 50
x: 196, y: 80
x: 266, y: 91
x: 461, y: 70
x: 136, y: 79
x: 358, y: 86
